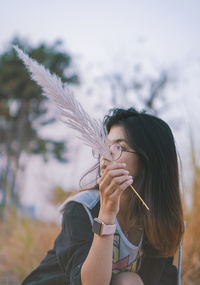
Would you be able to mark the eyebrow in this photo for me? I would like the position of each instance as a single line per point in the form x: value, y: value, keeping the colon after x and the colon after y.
x: 119, y: 140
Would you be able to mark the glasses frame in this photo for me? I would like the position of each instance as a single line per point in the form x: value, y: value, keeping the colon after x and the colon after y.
x: 122, y: 150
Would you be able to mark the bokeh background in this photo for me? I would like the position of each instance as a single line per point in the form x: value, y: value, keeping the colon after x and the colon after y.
x: 112, y: 53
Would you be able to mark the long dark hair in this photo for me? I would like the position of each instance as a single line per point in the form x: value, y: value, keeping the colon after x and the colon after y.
x: 158, y: 178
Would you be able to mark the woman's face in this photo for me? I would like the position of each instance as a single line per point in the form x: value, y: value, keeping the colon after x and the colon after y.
x: 117, y: 135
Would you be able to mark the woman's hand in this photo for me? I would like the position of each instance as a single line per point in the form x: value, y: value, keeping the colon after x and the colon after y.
x: 97, y: 268
x: 114, y: 180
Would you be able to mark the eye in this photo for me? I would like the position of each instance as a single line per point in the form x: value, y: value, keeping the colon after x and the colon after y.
x: 114, y: 146
x: 123, y: 148
x: 118, y: 146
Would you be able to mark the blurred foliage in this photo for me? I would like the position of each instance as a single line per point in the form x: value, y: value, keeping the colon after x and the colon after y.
x: 191, y: 244
x: 58, y: 195
x: 24, y: 110
x: 137, y: 88
x: 24, y: 243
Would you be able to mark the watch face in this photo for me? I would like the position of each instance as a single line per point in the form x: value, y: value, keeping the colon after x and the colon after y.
x: 96, y: 227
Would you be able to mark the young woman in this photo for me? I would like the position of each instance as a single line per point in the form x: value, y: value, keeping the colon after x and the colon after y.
x: 108, y: 236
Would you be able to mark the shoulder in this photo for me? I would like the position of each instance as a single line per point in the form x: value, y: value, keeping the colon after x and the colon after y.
x: 83, y: 207
x: 87, y: 198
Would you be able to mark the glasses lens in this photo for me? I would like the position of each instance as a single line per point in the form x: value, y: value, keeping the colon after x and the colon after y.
x: 115, y: 151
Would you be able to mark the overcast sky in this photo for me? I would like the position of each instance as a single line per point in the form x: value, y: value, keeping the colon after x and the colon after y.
x: 95, y: 29
x: 95, y: 32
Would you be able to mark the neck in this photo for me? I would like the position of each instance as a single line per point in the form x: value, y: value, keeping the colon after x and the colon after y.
x: 130, y: 228
x: 122, y: 215
x: 124, y: 219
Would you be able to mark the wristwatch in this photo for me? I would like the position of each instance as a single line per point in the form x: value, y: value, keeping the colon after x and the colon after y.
x: 100, y: 228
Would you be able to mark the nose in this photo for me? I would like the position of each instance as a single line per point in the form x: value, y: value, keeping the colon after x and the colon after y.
x: 103, y: 164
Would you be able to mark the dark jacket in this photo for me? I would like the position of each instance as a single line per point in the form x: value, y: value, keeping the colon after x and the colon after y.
x: 62, y: 264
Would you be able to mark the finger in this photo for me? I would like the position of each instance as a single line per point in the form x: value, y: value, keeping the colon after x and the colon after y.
x: 110, y: 169
x: 112, y: 166
x: 121, y: 188
x: 115, y: 183
x: 107, y: 178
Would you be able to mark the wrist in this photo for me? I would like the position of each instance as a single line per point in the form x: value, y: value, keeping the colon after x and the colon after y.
x: 107, y: 218
x: 100, y: 228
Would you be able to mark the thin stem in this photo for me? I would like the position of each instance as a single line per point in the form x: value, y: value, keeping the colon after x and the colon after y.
x: 140, y: 198
x: 132, y: 189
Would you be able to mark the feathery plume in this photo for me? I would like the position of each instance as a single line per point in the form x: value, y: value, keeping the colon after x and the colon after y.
x: 90, y: 130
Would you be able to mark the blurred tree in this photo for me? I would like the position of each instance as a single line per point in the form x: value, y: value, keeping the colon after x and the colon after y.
x: 137, y: 88
x: 24, y: 110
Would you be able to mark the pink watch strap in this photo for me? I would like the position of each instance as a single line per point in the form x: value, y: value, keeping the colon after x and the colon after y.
x: 102, y: 228
x: 108, y: 229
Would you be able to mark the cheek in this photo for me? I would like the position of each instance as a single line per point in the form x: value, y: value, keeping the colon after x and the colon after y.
x: 132, y: 165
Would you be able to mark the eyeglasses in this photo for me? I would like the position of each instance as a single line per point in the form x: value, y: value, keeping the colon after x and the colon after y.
x: 116, y: 151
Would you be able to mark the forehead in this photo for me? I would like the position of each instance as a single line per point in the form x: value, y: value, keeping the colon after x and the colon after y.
x: 116, y: 132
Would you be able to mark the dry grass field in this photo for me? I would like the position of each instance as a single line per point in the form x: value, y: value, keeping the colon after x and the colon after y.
x: 191, y: 241
x: 24, y: 242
